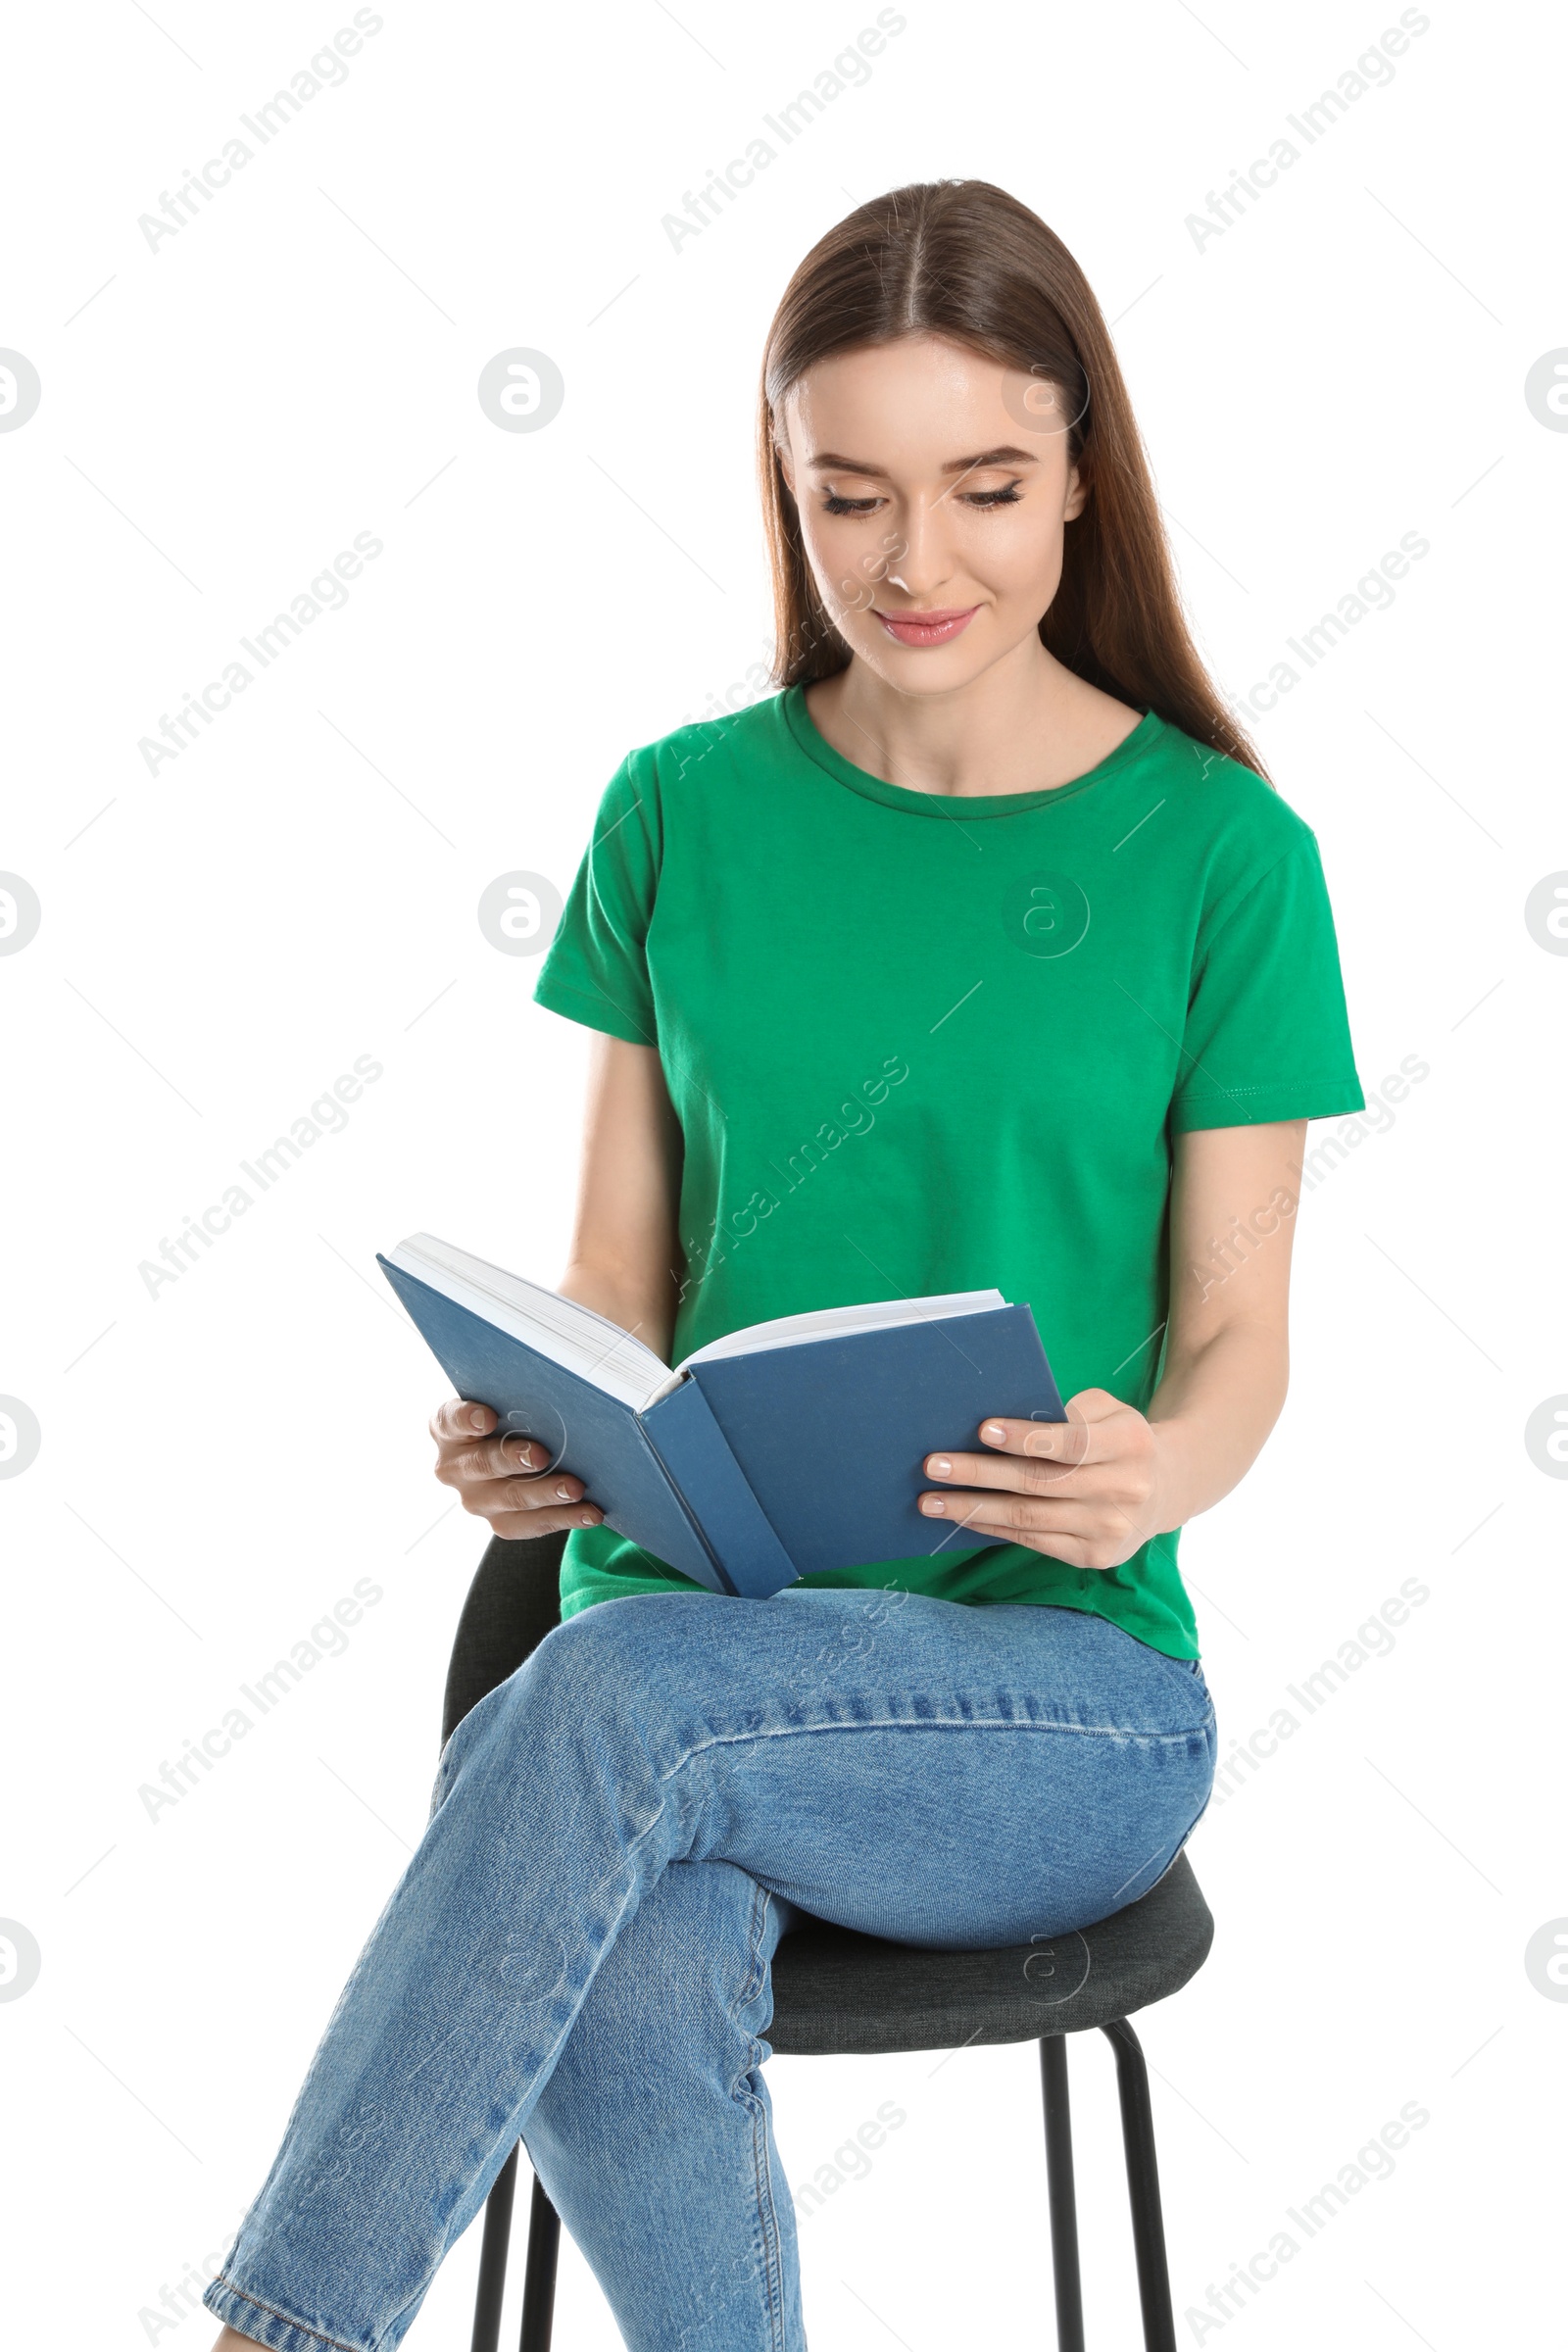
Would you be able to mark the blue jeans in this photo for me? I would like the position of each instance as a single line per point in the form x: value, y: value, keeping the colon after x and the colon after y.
x: 578, y: 1954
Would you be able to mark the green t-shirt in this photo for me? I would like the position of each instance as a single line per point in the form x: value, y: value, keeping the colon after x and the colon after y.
x: 920, y: 1044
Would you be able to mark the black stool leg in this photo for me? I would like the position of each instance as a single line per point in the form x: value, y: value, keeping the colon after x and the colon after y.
x: 1143, y: 2189
x: 493, y: 2258
x: 1064, y: 2199
x: 539, y: 2278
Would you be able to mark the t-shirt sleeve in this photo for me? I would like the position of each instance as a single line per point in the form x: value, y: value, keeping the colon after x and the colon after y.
x: 596, y: 970
x: 1267, y: 1035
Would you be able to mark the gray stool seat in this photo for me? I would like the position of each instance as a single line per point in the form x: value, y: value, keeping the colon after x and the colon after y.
x: 837, y: 1993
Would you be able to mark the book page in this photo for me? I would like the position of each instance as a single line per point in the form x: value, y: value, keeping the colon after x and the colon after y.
x: 838, y: 1322
x: 570, y: 1334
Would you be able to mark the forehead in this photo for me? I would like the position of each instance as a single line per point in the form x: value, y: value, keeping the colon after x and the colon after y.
x: 918, y: 401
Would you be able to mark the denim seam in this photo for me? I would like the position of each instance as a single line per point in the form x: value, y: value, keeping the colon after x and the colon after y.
x: 274, y: 2312
x: 754, y: 1980
x: 767, y: 2218
x: 790, y: 1731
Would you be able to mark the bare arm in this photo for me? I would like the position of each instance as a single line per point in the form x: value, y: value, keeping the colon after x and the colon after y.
x: 1090, y: 1491
x: 624, y: 1247
x: 1226, y: 1352
x: 622, y: 1261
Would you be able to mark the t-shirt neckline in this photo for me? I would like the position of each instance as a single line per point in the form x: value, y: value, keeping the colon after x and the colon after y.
x: 816, y: 748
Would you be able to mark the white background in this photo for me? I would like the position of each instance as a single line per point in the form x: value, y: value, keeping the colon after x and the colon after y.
x: 220, y: 1462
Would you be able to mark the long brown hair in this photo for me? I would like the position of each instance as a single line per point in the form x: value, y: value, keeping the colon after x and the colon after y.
x: 963, y: 260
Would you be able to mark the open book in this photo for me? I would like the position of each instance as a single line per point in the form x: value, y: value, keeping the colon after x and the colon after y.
x: 788, y: 1447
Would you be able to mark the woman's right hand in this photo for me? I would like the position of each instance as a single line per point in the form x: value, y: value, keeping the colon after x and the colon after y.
x: 492, y: 1475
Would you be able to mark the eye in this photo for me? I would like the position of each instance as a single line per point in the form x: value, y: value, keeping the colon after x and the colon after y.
x: 993, y: 498
x: 832, y: 504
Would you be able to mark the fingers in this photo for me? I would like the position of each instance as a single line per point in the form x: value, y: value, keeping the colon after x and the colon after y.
x: 530, y: 1493
x: 458, y: 1418
x: 520, y: 1527
x: 497, y: 1458
x: 1077, y: 1534
x: 459, y: 1465
x: 1006, y: 1471
x: 461, y: 1432
x: 1099, y: 1428
x: 1061, y: 1531
x: 504, y: 1478
x: 548, y: 1491
x: 1071, y: 1442
x: 1010, y: 1513
x: 530, y: 1506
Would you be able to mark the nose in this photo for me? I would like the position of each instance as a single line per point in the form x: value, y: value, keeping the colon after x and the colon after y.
x: 923, y: 562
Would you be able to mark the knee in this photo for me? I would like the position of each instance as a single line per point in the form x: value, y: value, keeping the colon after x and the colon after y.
x: 610, y: 1659
x: 615, y: 1697
x: 606, y: 1669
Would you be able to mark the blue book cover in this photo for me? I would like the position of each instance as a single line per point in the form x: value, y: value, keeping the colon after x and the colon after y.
x: 763, y: 1458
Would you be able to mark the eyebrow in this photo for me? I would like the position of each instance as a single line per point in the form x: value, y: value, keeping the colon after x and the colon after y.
x: 1005, y: 455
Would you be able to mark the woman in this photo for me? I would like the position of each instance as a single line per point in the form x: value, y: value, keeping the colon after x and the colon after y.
x: 982, y: 955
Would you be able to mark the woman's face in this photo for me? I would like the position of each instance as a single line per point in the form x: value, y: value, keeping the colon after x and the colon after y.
x: 933, y: 488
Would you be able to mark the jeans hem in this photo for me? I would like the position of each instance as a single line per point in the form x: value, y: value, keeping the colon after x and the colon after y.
x: 266, y: 2325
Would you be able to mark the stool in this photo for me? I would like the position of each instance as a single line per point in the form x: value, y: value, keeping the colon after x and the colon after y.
x: 837, y: 1993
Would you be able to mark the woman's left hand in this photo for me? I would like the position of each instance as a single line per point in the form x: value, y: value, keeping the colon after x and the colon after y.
x: 1083, y: 1490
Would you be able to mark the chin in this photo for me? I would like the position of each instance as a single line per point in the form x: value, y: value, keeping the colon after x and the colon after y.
x: 936, y: 669
x: 923, y: 677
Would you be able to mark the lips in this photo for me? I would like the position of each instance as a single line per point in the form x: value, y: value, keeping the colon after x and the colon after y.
x: 927, y: 628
